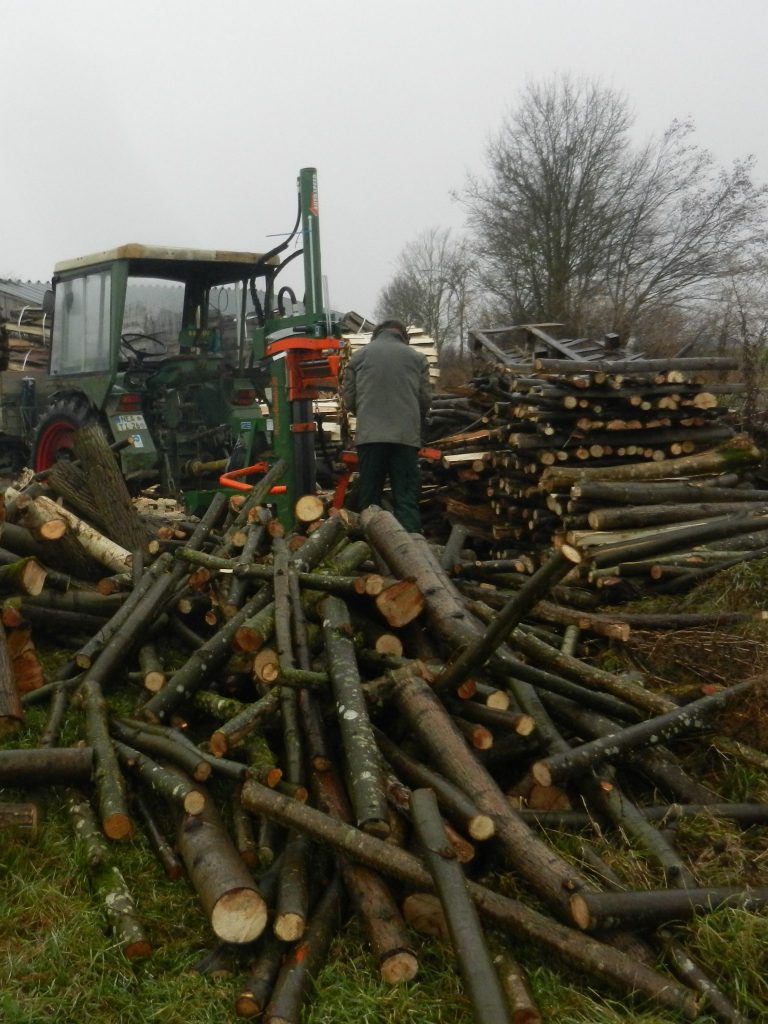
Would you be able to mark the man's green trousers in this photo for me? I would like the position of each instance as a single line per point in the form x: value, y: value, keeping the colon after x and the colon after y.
x: 399, y: 462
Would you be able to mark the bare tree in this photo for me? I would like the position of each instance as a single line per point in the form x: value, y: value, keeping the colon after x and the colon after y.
x: 431, y: 287
x: 574, y: 224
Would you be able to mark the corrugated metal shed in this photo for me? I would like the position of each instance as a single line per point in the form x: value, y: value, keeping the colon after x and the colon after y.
x: 25, y: 293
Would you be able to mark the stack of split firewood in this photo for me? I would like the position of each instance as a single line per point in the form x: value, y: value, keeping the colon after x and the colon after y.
x: 517, y: 449
x: 26, y: 336
x: 373, y: 727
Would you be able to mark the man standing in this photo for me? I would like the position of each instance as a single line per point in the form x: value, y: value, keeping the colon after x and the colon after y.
x: 386, y: 386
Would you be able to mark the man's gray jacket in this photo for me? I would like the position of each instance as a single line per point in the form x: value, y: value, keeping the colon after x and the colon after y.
x: 386, y: 386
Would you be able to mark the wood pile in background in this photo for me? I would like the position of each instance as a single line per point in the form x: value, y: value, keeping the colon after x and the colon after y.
x: 517, y: 446
x: 27, y: 335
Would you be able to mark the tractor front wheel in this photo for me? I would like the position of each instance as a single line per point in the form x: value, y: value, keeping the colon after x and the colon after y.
x: 55, y: 433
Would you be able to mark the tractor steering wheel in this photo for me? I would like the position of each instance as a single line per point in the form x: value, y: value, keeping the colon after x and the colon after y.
x: 129, y: 342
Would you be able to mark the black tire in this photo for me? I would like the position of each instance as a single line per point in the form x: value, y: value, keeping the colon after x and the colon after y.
x: 14, y: 456
x: 55, y: 432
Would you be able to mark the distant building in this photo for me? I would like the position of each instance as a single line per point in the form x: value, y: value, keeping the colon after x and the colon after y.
x: 17, y: 297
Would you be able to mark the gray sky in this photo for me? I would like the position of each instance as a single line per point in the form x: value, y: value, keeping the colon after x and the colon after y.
x: 183, y: 122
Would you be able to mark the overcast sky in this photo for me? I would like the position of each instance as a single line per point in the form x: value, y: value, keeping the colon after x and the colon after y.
x: 185, y: 122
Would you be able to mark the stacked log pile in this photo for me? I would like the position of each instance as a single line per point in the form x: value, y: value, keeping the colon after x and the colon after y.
x: 523, y: 455
x: 375, y: 729
x: 26, y: 337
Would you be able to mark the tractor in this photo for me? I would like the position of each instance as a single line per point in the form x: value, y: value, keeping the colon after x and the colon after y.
x: 201, y: 366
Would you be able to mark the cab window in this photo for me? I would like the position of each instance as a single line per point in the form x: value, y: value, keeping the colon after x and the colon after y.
x: 81, y: 325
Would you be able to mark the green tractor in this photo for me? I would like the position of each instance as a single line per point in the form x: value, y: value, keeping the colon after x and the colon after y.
x: 199, y: 365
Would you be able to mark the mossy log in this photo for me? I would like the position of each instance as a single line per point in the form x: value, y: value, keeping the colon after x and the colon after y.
x: 107, y: 880
x: 361, y: 756
x: 26, y: 576
x: 165, y: 781
x: 681, y: 721
x: 245, y: 719
x: 163, y: 743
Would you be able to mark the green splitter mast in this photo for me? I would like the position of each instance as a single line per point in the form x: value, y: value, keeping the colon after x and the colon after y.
x: 302, y: 352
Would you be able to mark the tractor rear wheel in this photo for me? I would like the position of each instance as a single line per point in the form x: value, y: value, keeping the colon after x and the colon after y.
x: 55, y: 433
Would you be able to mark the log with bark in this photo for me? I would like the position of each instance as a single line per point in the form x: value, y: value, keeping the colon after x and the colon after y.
x: 231, y: 901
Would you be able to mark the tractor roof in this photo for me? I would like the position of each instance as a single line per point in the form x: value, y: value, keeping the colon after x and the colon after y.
x: 154, y: 260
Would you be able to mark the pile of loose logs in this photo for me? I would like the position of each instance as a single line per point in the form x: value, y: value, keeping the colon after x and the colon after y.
x: 514, y: 445
x: 343, y: 724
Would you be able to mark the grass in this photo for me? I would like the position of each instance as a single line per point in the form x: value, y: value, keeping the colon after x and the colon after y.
x: 58, y: 964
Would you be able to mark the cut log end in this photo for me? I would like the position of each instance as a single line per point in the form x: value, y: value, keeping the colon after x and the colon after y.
x: 289, y: 927
x: 571, y: 553
x: 138, y: 950
x: 194, y: 802
x: 541, y: 773
x: 467, y: 689
x: 525, y: 725
x: 481, y: 827
x: 239, y: 916
x: 154, y: 681
x: 246, y: 1005
x: 378, y: 827
x: 423, y: 912
x: 202, y: 772
x: 399, y: 967
x: 580, y: 912
x: 218, y: 744
x: 309, y: 508
x: 118, y: 826
x: 498, y: 700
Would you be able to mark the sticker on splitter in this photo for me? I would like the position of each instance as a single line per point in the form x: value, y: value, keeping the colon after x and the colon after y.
x: 137, y: 441
x: 135, y: 421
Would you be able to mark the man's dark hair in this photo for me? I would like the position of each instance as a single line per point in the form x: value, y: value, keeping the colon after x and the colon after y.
x: 390, y: 325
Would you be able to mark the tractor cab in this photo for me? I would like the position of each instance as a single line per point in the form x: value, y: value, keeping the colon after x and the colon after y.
x: 175, y: 353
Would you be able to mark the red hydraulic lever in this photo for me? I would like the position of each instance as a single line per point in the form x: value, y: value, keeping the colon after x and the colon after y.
x: 228, y: 479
